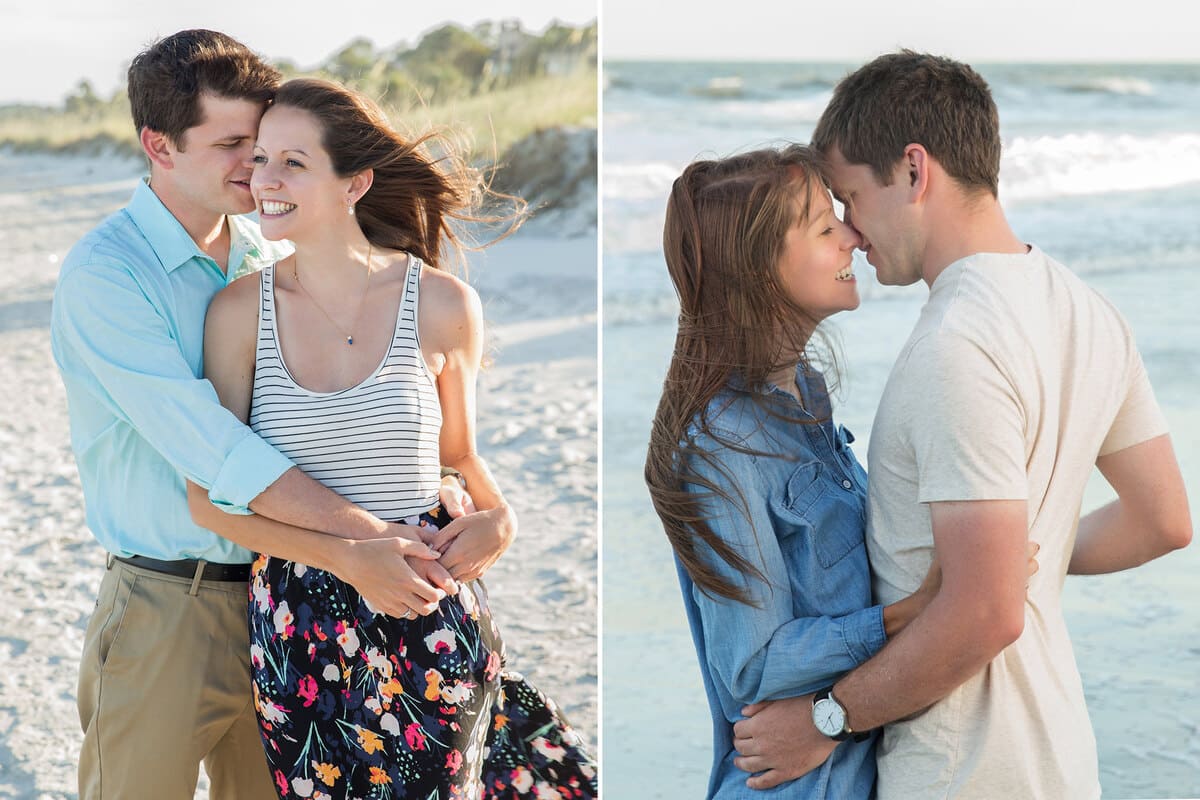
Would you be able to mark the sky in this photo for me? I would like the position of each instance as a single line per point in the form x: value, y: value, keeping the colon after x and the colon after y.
x: 858, y: 30
x: 48, y: 46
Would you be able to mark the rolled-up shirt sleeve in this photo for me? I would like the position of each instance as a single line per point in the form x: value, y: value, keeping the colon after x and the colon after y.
x: 128, y: 349
x: 759, y: 649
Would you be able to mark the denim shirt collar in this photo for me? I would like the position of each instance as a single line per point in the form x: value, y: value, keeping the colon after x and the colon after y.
x: 813, y: 392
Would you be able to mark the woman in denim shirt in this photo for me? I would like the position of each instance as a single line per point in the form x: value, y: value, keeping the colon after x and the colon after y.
x: 758, y: 491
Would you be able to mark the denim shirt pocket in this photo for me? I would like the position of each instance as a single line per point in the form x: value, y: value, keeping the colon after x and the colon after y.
x: 831, y: 513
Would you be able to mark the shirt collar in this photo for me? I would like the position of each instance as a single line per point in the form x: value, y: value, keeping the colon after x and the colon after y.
x: 811, y: 383
x: 248, y: 250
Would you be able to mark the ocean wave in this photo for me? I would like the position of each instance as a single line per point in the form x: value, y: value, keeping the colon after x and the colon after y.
x: 1110, y: 85
x: 629, y: 183
x: 724, y: 86
x: 793, y: 110
x: 1038, y: 167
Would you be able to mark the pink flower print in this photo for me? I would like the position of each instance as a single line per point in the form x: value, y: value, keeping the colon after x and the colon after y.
x: 284, y: 621
x: 308, y: 690
x: 457, y: 693
x: 257, y: 655
x: 493, y: 666
x: 521, y: 779
x: 415, y: 736
x: 281, y: 782
x: 348, y: 639
x: 551, y: 751
x: 441, y: 641
x: 454, y: 761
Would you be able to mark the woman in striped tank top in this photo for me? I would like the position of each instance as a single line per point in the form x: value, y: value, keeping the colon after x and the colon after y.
x: 356, y: 357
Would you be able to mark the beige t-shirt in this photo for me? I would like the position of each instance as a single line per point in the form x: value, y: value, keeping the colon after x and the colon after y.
x: 1016, y: 377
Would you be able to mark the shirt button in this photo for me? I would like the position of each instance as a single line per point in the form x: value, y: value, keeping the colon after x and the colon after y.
x: 847, y: 484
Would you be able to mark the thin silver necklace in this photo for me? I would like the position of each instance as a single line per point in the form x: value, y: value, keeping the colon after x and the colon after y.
x: 362, y: 302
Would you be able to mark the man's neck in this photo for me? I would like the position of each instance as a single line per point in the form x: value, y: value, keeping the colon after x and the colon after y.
x: 209, y: 231
x: 966, y: 230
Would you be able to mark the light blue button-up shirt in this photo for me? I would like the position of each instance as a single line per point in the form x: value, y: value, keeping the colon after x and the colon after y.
x: 127, y: 333
x: 812, y: 620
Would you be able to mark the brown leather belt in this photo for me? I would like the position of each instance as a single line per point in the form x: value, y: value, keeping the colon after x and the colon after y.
x: 188, y: 568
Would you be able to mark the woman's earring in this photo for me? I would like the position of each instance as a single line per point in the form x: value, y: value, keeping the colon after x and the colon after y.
x: 350, y: 209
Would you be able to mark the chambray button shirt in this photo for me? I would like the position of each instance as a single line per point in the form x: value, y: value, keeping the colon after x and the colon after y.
x: 127, y: 333
x: 814, y: 619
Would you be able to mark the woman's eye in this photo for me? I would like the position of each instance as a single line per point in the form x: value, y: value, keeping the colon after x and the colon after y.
x: 291, y: 162
x: 259, y: 160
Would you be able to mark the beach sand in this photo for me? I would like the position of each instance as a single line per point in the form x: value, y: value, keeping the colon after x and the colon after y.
x: 536, y: 427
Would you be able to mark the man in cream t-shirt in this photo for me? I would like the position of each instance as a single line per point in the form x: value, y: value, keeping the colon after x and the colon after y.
x: 1016, y: 380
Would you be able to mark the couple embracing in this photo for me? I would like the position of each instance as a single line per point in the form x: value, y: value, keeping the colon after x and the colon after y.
x: 230, y: 395
x: 901, y: 638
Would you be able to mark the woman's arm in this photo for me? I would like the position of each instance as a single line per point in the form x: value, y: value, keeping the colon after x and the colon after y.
x: 376, y: 567
x: 451, y: 328
x: 760, y: 650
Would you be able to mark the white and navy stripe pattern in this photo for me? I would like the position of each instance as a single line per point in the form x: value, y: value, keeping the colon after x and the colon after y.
x: 375, y: 443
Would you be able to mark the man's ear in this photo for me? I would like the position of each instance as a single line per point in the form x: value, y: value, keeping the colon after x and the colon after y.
x: 158, y: 148
x: 915, y: 169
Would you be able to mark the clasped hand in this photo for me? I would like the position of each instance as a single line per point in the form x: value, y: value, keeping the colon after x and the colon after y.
x: 777, y: 742
x: 412, y: 568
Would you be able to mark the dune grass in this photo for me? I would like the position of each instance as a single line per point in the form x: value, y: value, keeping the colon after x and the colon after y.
x: 488, y: 124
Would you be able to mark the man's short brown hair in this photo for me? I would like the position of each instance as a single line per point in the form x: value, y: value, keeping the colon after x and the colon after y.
x: 905, y: 98
x: 167, y: 79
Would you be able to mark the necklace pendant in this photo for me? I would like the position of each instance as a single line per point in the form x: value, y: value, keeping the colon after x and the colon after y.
x: 349, y: 340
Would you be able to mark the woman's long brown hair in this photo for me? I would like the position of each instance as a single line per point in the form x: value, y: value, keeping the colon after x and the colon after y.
x: 415, y: 193
x: 724, y: 235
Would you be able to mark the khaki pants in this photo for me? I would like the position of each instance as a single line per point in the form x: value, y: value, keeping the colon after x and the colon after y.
x: 164, y: 684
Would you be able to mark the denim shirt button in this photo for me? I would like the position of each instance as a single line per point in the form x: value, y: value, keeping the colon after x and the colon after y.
x: 846, y: 484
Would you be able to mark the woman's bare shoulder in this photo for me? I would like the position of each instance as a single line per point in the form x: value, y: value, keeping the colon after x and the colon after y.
x: 450, y: 296
x: 235, y: 307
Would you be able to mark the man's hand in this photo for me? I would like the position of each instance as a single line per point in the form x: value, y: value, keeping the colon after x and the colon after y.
x: 434, y: 573
x: 470, y: 544
x: 454, y: 498
x: 778, y: 742
x: 381, y: 572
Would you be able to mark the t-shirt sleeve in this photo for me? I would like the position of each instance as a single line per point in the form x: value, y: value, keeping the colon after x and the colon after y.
x: 1140, y: 418
x: 969, y: 439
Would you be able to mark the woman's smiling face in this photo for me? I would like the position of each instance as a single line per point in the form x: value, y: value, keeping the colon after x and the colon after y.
x: 294, y: 183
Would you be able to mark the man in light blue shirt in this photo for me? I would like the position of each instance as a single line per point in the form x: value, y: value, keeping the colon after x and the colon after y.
x: 164, y: 677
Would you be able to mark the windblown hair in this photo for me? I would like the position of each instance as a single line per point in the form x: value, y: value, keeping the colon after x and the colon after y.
x: 724, y: 236
x: 415, y: 194
x: 166, y: 80
x: 905, y: 98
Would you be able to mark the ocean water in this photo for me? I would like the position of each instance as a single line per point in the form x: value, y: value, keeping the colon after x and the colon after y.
x: 1101, y: 169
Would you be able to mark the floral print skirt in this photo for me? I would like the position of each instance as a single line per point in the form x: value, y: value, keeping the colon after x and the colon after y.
x: 357, y: 704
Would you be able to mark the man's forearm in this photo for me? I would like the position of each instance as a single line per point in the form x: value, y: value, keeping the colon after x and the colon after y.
x: 300, y: 501
x: 943, y: 647
x: 260, y: 534
x: 1110, y: 540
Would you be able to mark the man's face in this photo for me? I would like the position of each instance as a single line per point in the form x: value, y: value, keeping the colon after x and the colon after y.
x: 212, y: 171
x: 883, y: 216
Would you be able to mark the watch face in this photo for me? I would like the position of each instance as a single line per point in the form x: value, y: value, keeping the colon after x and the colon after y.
x: 829, y: 717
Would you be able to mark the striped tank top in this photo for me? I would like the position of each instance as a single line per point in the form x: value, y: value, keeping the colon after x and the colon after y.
x: 376, y: 443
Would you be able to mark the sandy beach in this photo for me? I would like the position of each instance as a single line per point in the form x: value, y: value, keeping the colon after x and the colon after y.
x: 537, y: 428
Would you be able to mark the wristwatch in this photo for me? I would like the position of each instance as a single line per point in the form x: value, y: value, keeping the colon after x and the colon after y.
x: 829, y: 717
